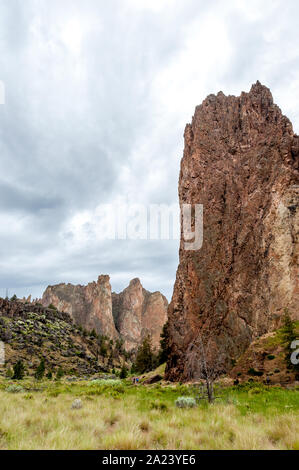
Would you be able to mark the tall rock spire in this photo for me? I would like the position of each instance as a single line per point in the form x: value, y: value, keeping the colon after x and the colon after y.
x: 241, y: 162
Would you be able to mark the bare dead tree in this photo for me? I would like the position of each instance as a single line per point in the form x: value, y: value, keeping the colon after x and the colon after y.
x: 204, y: 363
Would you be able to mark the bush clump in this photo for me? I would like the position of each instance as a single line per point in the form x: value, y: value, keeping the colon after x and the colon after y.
x: 108, y: 382
x: 110, y: 386
x: 52, y: 307
x: 60, y: 373
x: 257, y: 373
x: 40, y: 371
x: 123, y: 373
x: 158, y: 405
x: 77, y: 404
x: 14, y: 388
x: 18, y: 371
x: 185, y: 402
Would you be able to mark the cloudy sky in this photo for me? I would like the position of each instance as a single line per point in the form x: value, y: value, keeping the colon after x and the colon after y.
x: 97, y: 95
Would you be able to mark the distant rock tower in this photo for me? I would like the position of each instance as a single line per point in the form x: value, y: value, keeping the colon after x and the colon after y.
x: 130, y: 315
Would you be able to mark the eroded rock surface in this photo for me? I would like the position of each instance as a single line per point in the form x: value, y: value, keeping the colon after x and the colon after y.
x: 129, y: 315
x: 241, y: 162
x: 138, y: 313
x: 90, y: 306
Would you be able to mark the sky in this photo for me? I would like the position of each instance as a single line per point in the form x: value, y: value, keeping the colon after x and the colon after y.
x: 97, y: 95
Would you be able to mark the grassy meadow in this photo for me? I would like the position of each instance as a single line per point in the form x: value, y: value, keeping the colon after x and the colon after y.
x: 118, y: 415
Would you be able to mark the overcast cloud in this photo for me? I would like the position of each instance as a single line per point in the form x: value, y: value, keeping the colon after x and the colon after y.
x: 97, y: 97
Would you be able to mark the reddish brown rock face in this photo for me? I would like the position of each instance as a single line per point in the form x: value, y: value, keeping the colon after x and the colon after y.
x: 241, y: 162
x: 90, y: 306
x: 138, y: 313
x: 130, y: 315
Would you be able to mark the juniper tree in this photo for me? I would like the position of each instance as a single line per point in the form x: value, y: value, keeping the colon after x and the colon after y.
x: 124, y: 372
x: 145, y: 359
x: 164, y: 348
x: 40, y: 371
x: 18, y: 371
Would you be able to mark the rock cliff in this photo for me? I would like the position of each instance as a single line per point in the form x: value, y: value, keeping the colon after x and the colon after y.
x: 137, y: 313
x: 89, y: 306
x: 129, y: 315
x: 241, y: 162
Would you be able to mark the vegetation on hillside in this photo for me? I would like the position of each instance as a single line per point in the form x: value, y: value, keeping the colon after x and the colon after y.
x: 268, y: 358
x: 47, y: 341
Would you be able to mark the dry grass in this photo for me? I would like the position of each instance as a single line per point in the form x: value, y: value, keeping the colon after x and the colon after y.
x: 48, y: 422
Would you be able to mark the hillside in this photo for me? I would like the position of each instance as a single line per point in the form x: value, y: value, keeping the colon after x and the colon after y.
x: 266, y: 360
x: 31, y: 332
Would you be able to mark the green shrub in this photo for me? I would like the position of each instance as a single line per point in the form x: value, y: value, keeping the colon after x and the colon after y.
x: 123, y: 373
x: 60, y: 373
x: 110, y: 386
x: 164, y: 348
x: 108, y: 382
x: 9, y: 373
x: 158, y: 405
x: 257, y: 373
x: 115, y: 394
x: 270, y: 357
x: 18, y: 371
x: 255, y: 391
x: 54, y: 393
x: 93, y: 333
x: 52, y: 307
x: 40, y: 371
x: 28, y: 396
x: 185, y: 402
x: 145, y: 358
x: 14, y: 388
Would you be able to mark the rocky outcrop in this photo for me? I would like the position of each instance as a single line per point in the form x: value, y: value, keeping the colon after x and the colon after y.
x: 241, y: 162
x: 138, y: 313
x: 130, y: 315
x: 89, y: 306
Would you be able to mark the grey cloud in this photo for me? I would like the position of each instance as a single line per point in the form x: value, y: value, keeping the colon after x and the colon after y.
x: 96, y: 121
x: 24, y: 199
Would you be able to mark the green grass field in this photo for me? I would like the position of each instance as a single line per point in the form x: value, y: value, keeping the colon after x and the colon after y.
x: 118, y: 415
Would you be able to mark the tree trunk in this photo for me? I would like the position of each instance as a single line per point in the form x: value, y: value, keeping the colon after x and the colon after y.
x: 210, y: 391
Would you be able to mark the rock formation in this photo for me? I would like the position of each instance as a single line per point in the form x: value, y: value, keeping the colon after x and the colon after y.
x: 241, y: 162
x: 138, y: 313
x: 129, y: 316
x: 90, y: 306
